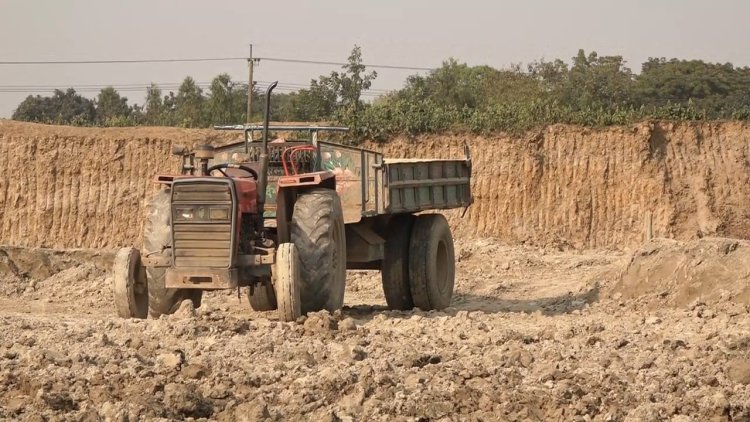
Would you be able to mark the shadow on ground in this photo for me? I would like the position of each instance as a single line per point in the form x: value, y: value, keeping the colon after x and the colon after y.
x: 549, y: 306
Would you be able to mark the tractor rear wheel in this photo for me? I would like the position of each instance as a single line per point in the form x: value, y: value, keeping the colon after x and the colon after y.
x: 157, y: 238
x: 317, y: 231
x: 431, y: 262
x: 287, y: 282
x: 394, y: 270
x: 130, y: 290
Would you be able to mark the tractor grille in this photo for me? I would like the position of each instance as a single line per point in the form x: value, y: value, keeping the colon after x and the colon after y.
x: 201, y: 242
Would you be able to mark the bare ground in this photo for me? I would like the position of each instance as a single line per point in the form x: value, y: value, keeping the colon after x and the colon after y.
x: 533, y: 334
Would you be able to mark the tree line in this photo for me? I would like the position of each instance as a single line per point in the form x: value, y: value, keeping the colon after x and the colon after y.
x: 592, y: 90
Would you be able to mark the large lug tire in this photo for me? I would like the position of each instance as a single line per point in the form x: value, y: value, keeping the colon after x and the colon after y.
x: 432, y: 268
x: 157, y: 237
x: 394, y: 270
x: 130, y: 290
x: 317, y: 231
x: 287, y: 282
x: 263, y: 297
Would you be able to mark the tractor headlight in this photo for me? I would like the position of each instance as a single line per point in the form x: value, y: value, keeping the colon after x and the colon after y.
x: 219, y: 213
x: 201, y: 213
x: 185, y: 214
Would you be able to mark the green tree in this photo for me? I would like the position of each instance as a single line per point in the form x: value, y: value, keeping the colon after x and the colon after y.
x: 319, y: 102
x: 598, y: 82
x: 350, y: 83
x: 63, y: 107
x: 189, y: 104
x: 155, y: 114
x: 227, y: 101
x: 712, y: 87
x: 111, y: 107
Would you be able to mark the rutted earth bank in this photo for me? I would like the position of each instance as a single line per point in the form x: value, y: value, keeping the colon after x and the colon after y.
x: 562, y: 186
x: 534, y: 334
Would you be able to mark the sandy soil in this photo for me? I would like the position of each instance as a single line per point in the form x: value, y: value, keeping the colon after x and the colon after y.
x: 533, y: 334
x: 563, y: 186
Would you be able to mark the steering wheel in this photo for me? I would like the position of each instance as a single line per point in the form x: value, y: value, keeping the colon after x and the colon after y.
x: 221, y: 167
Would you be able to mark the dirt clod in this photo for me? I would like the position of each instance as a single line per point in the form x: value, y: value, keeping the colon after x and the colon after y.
x: 186, y: 401
x: 546, y: 340
x: 738, y: 370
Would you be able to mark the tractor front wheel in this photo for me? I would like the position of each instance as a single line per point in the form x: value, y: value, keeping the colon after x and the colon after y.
x: 262, y: 297
x: 130, y: 290
x: 287, y: 282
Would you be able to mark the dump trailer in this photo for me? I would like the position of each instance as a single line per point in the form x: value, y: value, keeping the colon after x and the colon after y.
x: 286, y: 217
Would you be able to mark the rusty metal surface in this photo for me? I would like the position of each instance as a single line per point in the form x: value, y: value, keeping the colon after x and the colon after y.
x: 358, y: 180
x: 201, y: 278
x: 254, y: 260
x: 156, y: 261
x: 363, y: 244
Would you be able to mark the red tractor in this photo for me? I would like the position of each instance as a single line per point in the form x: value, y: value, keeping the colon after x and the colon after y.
x: 286, y: 219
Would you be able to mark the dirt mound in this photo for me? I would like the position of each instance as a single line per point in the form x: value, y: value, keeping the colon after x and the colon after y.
x: 710, y: 270
x: 563, y: 186
x: 76, y: 279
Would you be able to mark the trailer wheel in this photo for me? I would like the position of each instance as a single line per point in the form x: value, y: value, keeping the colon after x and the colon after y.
x: 394, y: 270
x: 263, y: 297
x: 130, y: 290
x: 157, y: 237
x: 318, y: 233
x: 431, y: 262
x: 287, y: 282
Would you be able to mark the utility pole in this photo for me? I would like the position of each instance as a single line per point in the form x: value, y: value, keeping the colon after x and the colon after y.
x: 250, y: 65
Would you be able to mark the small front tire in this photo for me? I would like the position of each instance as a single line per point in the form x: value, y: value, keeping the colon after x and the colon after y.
x: 263, y: 297
x: 130, y: 289
x: 287, y: 282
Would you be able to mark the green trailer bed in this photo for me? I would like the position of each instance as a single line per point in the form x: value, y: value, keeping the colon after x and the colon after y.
x: 370, y: 185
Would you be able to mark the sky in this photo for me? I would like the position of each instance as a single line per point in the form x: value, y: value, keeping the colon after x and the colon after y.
x: 418, y: 33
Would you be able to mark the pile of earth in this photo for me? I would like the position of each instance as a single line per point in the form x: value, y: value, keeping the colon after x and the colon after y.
x: 709, y: 270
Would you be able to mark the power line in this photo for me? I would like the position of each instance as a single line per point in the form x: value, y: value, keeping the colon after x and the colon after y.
x: 48, y: 62
x: 207, y: 59
x: 375, y: 66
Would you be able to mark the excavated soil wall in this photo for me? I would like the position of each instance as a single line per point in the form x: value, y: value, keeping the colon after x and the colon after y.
x: 64, y: 187
x: 571, y: 186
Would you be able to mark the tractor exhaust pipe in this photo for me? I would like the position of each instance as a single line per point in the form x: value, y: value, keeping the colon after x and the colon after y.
x: 263, y: 174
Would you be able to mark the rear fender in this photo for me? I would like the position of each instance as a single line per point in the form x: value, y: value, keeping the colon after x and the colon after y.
x: 287, y: 188
x: 319, y: 178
